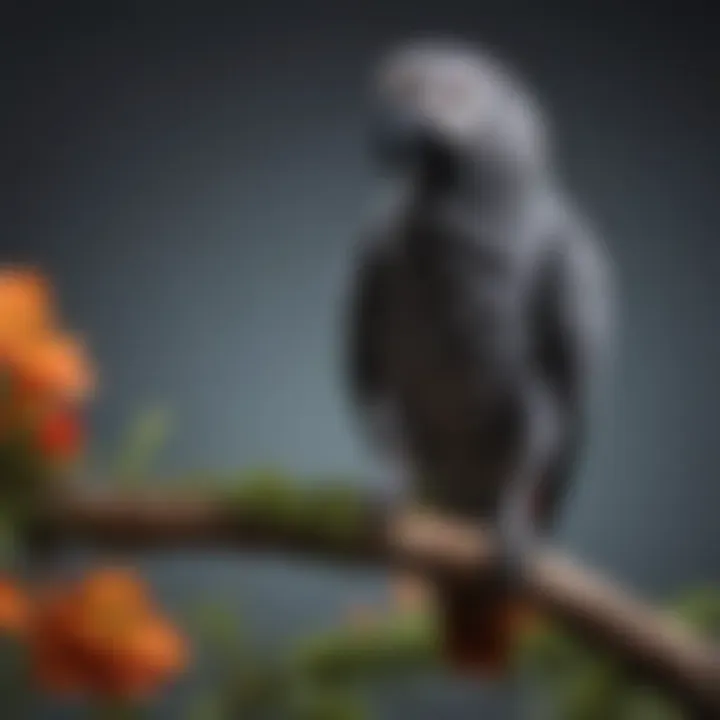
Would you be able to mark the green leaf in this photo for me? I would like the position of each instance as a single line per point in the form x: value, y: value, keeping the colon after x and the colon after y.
x: 217, y: 626
x: 15, y: 688
x: 700, y: 608
x: 326, y: 702
x: 331, y: 510
x: 257, y: 687
x: 8, y: 542
x: 552, y: 654
x: 272, y: 495
x: 144, y: 439
x: 400, y: 644
x: 116, y: 710
x: 649, y: 704
x: 338, y: 510
x: 595, y: 694
x: 208, y: 706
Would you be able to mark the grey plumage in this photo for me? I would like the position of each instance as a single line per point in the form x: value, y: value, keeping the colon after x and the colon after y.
x: 481, y: 312
x: 482, y: 304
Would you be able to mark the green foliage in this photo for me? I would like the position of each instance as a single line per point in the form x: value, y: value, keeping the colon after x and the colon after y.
x: 324, y: 677
x: 583, y: 684
x: 23, y: 480
x: 8, y: 542
x: 326, y: 702
x: 331, y: 509
x: 14, y: 688
x: 399, y: 644
x: 243, y: 684
x: 646, y: 704
x: 251, y: 684
x: 701, y: 609
x: 116, y: 710
x: 144, y: 439
x: 208, y: 706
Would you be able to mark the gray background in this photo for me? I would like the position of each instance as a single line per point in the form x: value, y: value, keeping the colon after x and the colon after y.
x: 192, y: 176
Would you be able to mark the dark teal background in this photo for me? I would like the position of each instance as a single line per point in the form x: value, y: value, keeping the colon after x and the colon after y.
x: 192, y: 176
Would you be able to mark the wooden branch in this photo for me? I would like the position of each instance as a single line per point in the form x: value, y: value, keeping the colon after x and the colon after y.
x: 652, y: 643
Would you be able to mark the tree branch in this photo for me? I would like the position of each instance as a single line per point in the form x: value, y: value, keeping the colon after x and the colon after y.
x: 652, y: 643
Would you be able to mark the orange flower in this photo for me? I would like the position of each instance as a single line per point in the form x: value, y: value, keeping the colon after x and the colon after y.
x: 44, y: 371
x: 150, y: 652
x: 14, y: 608
x: 43, y: 359
x: 60, y: 435
x: 57, y: 365
x: 51, y: 649
x: 25, y: 307
x: 120, y: 586
x: 104, y: 636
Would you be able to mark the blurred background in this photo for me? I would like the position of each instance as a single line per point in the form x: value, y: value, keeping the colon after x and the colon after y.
x: 192, y: 176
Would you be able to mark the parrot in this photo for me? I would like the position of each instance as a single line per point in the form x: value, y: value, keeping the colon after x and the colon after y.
x: 479, y: 320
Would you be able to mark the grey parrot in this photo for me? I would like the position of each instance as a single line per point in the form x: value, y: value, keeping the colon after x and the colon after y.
x: 480, y: 316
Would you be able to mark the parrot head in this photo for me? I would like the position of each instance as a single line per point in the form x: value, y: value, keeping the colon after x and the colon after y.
x: 449, y: 111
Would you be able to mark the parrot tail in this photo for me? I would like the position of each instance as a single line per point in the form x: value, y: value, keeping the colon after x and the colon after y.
x: 481, y: 630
